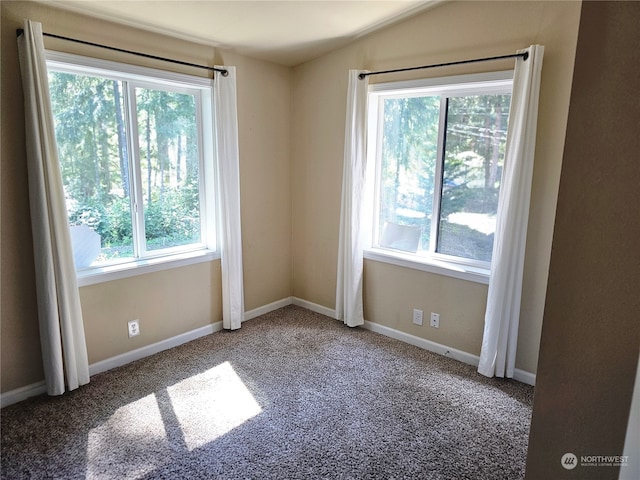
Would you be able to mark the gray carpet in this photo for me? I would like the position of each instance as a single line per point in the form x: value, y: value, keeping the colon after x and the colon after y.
x: 291, y: 395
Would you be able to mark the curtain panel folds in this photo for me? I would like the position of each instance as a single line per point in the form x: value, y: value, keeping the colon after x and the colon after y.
x: 64, y: 351
x: 502, y: 316
x: 349, y: 303
x: 230, y: 234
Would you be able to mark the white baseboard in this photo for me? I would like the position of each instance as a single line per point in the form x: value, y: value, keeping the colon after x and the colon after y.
x: 22, y: 393
x: 256, y: 312
x: 468, y: 358
x: 524, y: 377
x: 434, y: 347
x: 314, y: 307
x: 142, y: 352
x: 148, y: 350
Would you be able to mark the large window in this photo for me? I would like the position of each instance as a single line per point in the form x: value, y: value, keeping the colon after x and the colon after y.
x: 439, y: 152
x: 136, y: 156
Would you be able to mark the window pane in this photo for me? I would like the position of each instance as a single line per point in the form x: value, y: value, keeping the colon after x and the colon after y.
x: 90, y: 133
x: 409, y: 151
x: 474, y: 153
x: 169, y: 166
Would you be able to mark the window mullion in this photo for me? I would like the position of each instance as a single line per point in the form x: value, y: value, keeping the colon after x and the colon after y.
x: 375, y: 140
x: 137, y: 199
x: 208, y: 191
x: 438, y: 177
x: 205, y: 180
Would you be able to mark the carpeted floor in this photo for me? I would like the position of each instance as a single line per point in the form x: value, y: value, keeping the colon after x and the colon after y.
x: 291, y: 395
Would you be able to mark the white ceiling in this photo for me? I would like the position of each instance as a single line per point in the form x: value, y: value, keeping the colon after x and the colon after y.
x: 285, y: 32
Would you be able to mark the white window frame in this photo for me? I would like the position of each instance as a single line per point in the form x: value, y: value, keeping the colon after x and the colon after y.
x: 202, y: 89
x: 431, y: 261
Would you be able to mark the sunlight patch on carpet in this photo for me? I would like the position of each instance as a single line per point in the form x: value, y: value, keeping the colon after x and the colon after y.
x: 130, y: 444
x: 211, y: 404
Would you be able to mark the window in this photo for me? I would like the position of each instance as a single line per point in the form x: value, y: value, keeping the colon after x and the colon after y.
x: 439, y: 150
x: 136, y: 154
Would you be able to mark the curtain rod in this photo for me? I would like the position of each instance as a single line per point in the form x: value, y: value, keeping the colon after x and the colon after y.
x: 524, y: 56
x: 223, y: 71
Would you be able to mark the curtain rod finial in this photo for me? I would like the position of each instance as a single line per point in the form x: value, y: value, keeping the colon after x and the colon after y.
x: 19, y: 32
x: 362, y: 76
x: 525, y: 56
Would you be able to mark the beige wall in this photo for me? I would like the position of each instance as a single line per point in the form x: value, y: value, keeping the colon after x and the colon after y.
x: 456, y: 30
x: 169, y: 302
x: 591, y: 333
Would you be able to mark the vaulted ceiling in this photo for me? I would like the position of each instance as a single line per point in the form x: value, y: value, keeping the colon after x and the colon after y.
x: 285, y: 32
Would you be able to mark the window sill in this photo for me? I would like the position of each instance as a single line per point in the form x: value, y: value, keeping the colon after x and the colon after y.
x: 449, y: 269
x: 108, y: 273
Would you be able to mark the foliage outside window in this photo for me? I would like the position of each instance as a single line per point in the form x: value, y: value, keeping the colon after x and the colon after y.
x: 439, y: 153
x: 133, y: 154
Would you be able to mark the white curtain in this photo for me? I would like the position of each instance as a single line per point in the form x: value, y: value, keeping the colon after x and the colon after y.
x: 498, y: 353
x: 349, y: 306
x: 230, y: 235
x: 64, y: 351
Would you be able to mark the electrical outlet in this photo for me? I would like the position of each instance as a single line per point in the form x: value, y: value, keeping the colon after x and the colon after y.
x: 435, y: 320
x: 417, y: 316
x: 134, y: 328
